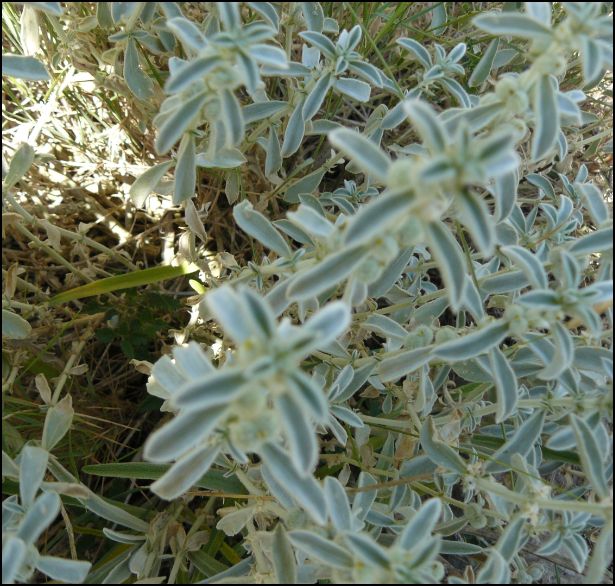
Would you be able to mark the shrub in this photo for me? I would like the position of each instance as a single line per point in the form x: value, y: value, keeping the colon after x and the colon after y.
x: 397, y: 367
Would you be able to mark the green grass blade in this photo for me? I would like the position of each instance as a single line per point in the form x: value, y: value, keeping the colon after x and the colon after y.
x: 126, y: 281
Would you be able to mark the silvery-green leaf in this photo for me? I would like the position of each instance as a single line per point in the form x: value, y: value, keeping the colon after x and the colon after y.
x: 450, y: 259
x: 295, y: 130
x: 307, y: 184
x: 190, y: 72
x: 517, y: 25
x: 32, y: 468
x: 38, y: 517
x: 319, y: 41
x: 267, y: 11
x: 438, y: 451
x: 521, y: 443
x: 546, y: 126
x: 260, y: 110
x: 303, y: 487
x: 232, y: 118
x: 337, y: 504
x: 430, y: 129
x: 259, y: 313
x: 311, y: 221
x: 374, y: 219
x: 227, y: 308
x: 216, y: 389
x: 229, y: 14
x: 299, y: 432
x: 24, y: 67
x: 283, y: 557
x: 280, y: 492
x: 594, y: 202
x: 397, y: 366
x: 20, y: 164
x: 226, y: 158
x: 363, y: 151
x: 146, y: 183
x: 367, y: 550
x: 541, y: 11
x: 273, y: 161
x: 138, y: 82
x: 315, y: 98
x: 421, y: 524
x: 385, y: 326
x: 513, y: 538
x: 358, y: 380
x: 14, y: 327
x: 180, y: 434
x: 494, y: 570
x: 259, y: 227
x: 57, y: 422
x: 529, y: 264
x: 420, y: 52
x: 325, y: 274
x: 504, y: 283
x: 394, y: 117
x: 53, y: 8
x: 322, y: 549
x: 14, y: 552
x: 598, y: 241
x: 185, y: 472
x: 363, y: 500
x: 105, y: 510
x: 474, y: 344
x: 459, y: 548
x: 506, y: 391
x: 564, y: 353
x: 591, y: 456
x: 485, y: 65
x: 313, y: 15
x: 367, y: 71
x: 185, y: 170
x: 457, y: 90
x: 329, y: 323
x: 269, y: 55
x: 474, y: 214
x: 592, y: 61
x: 356, y: 89
x: 178, y: 122
x: 67, y: 571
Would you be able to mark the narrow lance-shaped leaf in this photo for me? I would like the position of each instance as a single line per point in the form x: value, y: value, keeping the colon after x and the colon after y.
x: 438, y: 451
x: 24, y: 67
x: 546, y: 121
x: 591, y: 456
x: 232, y: 118
x: 507, y: 393
x: 138, y: 82
x: 301, y: 436
x: 147, y: 182
x: 316, y: 97
x: 321, y: 549
x: 450, y: 259
x: 427, y: 124
x: 178, y: 122
x: 421, y: 525
x: 295, y: 130
x: 397, y: 366
x: 259, y: 227
x: 474, y: 214
x: 283, y: 557
x: 185, y: 472
x: 529, y: 264
x: 303, y: 488
x: 521, y: 443
x: 363, y: 151
x: 185, y: 170
x: 484, y: 66
x: 356, y: 89
x: 325, y: 274
x: 474, y: 344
